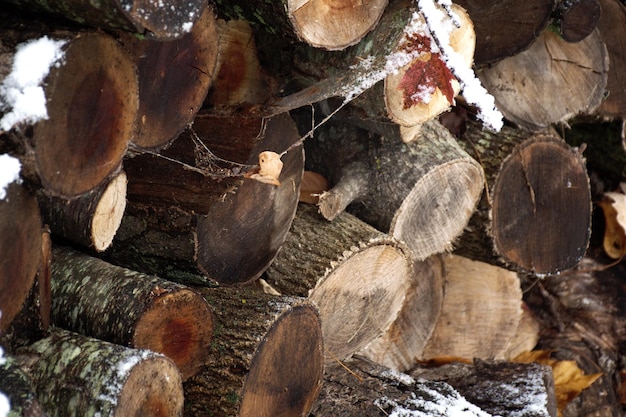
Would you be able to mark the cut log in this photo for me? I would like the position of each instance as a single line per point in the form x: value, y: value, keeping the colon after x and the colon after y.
x: 535, y: 181
x: 146, y: 18
x: 20, y: 246
x: 551, y: 81
x: 500, y: 388
x: 613, y: 206
x: 357, y: 276
x: 18, y: 389
x: 614, y: 16
x: 129, y: 308
x: 361, y: 388
x: 75, y: 375
x: 92, y: 219
x: 222, y: 228
x: 91, y: 100
x: 238, y: 77
x: 498, y: 34
x: 577, y: 19
x: 329, y: 24
x: 481, y: 311
x: 403, y: 343
x: 422, y: 193
x: 266, y: 358
x: 174, y: 79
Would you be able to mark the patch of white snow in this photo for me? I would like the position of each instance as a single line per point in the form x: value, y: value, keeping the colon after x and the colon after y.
x: 9, y: 172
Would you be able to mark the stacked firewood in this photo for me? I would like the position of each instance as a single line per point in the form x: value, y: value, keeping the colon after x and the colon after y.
x: 167, y: 249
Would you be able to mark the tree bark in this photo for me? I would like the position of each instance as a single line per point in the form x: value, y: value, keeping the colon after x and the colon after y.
x: 577, y: 19
x: 76, y: 375
x: 20, y: 245
x: 481, y: 311
x: 91, y: 100
x: 551, y: 81
x: 226, y: 228
x: 129, y: 308
x: 422, y: 193
x: 498, y: 35
x: 266, y: 358
x: 174, y: 79
x: 500, y: 388
x: 145, y: 18
x: 357, y: 276
x: 362, y: 388
x: 17, y: 387
x: 328, y: 24
x: 92, y: 219
x: 404, y: 341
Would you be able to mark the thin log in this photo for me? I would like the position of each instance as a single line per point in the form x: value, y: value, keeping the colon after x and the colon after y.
x: 577, y: 19
x: 145, y: 18
x: 266, y: 358
x: 20, y: 245
x: 174, y: 79
x: 357, y: 276
x: 498, y: 35
x: 90, y: 220
x: 76, y: 375
x: 328, y: 24
x: 404, y: 341
x: 362, y: 388
x: 226, y: 228
x: 18, y: 389
x: 500, y: 388
x: 481, y: 311
x: 551, y: 81
x: 91, y: 99
x: 422, y: 193
x: 129, y: 308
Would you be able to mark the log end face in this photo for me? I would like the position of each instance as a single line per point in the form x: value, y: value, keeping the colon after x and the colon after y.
x: 287, y: 369
x: 108, y: 213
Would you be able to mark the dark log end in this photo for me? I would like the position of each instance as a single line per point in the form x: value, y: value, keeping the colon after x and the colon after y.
x: 578, y: 18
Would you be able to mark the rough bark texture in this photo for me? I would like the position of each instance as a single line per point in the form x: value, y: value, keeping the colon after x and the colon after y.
x: 147, y: 18
x: 20, y: 246
x: 129, y: 308
x: 17, y: 387
x: 551, y: 81
x: 75, y: 375
x: 266, y: 358
x: 90, y: 220
x: 498, y: 35
x: 500, y: 388
x: 481, y: 311
x: 174, y: 78
x: 357, y: 276
x: 403, y: 343
x: 422, y: 193
x: 225, y: 229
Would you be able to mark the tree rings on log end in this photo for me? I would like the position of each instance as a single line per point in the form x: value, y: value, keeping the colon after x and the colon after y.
x: 287, y: 368
x: 334, y: 24
x: 542, y: 225
x: 92, y: 104
x: 21, y: 249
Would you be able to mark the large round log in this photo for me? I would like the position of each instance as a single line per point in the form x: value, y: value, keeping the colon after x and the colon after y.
x: 422, y: 193
x: 97, y: 299
x: 90, y: 220
x: 266, y: 358
x: 17, y: 390
x: 76, y: 375
x: 174, y: 78
x: 91, y: 100
x: 208, y: 220
x: 357, y: 276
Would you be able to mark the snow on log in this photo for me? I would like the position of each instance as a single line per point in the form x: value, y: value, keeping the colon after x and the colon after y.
x: 74, y: 375
x: 97, y: 299
x: 18, y: 390
x: 174, y: 78
x: 192, y: 210
x: 357, y: 276
x: 266, y: 358
x: 92, y: 219
x: 422, y: 193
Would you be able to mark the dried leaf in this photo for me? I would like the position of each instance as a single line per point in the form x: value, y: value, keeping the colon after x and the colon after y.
x: 613, y: 206
x: 312, y: 186
x: 270, y: 167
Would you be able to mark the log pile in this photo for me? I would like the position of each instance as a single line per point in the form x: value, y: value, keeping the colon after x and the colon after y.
x: 244, y: 208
